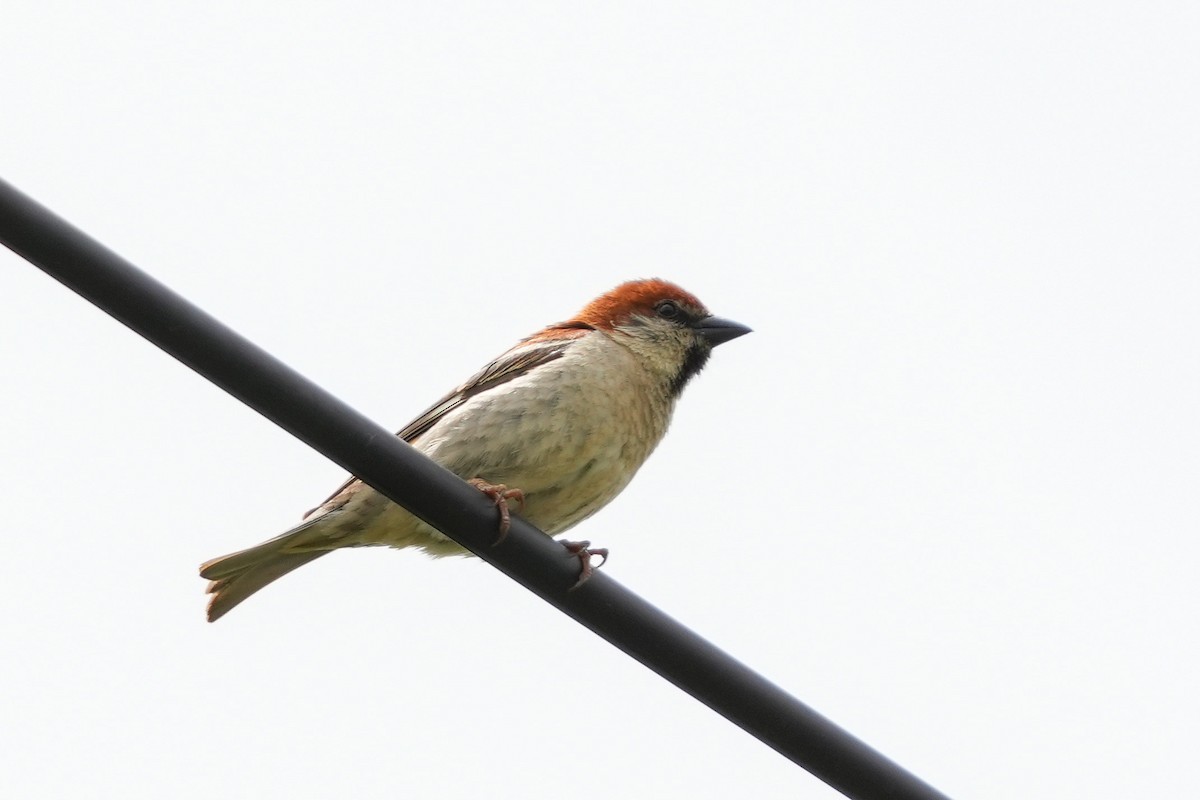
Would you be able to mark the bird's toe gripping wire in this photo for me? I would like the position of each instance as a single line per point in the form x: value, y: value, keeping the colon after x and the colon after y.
x: 500, y: 494
x: 584, y: 552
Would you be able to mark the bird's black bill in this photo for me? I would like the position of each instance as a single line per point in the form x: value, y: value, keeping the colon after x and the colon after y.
x: 717, y: 331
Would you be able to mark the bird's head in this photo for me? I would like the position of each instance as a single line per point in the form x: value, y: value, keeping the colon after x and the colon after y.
x: 667, y: 327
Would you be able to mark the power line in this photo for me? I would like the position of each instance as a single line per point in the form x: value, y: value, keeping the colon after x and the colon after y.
x: 439, y: 497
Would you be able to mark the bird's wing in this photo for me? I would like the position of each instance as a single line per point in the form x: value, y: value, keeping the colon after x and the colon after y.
x: 513, y: 364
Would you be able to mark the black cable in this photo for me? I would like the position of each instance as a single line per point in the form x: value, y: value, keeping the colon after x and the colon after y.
x: 446, y: 502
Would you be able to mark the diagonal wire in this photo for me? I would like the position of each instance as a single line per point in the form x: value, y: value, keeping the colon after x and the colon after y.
x: 439, y: 497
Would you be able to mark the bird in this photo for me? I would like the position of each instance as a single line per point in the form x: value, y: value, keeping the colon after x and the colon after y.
x: 558, y: 425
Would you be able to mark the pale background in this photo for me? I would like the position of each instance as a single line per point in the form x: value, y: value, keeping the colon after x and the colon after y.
x: 946, y: 493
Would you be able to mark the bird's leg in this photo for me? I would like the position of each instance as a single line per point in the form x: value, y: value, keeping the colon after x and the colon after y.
x: 500, y: 495
x: 584, y: 551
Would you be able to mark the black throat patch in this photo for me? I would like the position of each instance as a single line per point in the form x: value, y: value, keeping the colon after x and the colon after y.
x: 693, y: 362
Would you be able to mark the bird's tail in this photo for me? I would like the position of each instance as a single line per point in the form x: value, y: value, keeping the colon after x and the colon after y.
x: 236, y: 576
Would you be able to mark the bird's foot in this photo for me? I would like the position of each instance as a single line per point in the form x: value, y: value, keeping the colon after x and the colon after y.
x: 584, y: 551
x: 500, y: 495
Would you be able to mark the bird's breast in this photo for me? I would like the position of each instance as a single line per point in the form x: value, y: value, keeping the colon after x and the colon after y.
x: 569, y: 434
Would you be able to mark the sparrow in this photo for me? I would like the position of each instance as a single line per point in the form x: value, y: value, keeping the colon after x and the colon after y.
x: 559, y: 424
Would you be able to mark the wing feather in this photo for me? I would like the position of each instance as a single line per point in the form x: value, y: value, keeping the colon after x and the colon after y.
x: 513, y: 364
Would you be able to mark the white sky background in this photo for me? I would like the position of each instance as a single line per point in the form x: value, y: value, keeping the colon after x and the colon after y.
x: 946, y: 493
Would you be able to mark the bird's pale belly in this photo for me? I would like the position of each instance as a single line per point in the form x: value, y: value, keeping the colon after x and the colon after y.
x: 569, y: 450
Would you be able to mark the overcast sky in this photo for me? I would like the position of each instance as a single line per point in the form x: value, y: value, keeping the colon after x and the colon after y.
x: 946, y: 493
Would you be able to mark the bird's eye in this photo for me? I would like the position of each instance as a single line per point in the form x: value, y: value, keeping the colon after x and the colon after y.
x: 667, y: 309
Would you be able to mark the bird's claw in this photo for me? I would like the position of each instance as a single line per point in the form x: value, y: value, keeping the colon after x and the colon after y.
x: 584, y: 552
x: 500, y: 494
